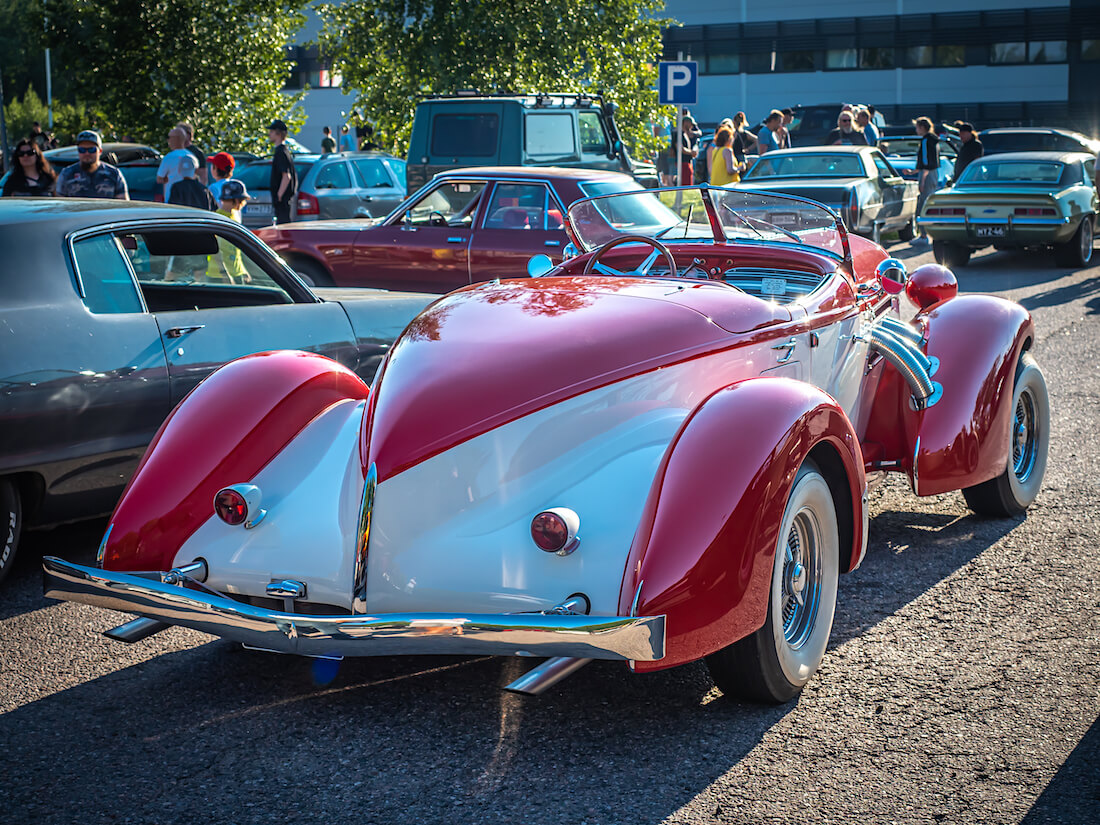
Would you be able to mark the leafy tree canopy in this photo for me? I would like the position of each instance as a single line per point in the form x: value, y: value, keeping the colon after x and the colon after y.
x: 391, y: 52
x: 23, y: 113
x: 219, y: 64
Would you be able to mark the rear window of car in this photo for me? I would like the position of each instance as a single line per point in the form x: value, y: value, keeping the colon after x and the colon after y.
x: 817, y: 165
x: 465, y: 135
x: 608, y: 187
x: 1030, y: 142
x: 1012, y: 171
x: 258, y: 175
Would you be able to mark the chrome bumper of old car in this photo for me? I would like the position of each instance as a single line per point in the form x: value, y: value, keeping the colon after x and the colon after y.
x: 637, y: 638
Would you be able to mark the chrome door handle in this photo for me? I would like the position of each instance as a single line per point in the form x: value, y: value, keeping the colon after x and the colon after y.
x: 787, y: 348
x: 179, y: 332
x: 455, y: 240
x: 868, y: 289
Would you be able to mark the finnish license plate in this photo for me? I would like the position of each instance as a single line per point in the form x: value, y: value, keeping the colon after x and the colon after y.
x: 990, y: 231
x: 258, y: 209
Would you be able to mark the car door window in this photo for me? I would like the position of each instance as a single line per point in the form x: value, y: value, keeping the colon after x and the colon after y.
x: 885, y: 170
x: 450, y: 204
x: 550, y: 137
x: 105, y: 280
x: 333, y: 176
x: 523, y: 206
x: 593, y: 137
x: 371, y: 173
x: 189, y: 268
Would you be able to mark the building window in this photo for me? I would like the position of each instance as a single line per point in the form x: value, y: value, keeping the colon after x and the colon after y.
x: 798, y: 61
x: 1047, y: 51
x: 760, y: 62
x: 1008, y: 53
x: 1090, y: 49
x: 841, y: 59
x: 917, y: 56
x: 723, y: 58
x: 950, y: 55
x: 882, y: 58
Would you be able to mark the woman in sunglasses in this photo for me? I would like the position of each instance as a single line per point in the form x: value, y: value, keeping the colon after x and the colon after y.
x: 32, y: 175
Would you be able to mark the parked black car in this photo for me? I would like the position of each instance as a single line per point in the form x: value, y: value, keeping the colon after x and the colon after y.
x: 1036, y: 139
x: 130, y: 306
x: 113, y: 153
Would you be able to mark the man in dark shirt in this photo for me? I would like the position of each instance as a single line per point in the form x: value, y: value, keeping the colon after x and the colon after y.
x: 970, y: 150
x: 928, y: 166
x: 284, y: 180
x: 845, y: 133
x: 90, y: 177
x: 200, y: 156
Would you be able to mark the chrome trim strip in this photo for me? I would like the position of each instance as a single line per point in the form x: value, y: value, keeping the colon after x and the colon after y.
x: 1014, y: 221
x: 103, y: 545
x: 359, y: 584
x: 499, y: 634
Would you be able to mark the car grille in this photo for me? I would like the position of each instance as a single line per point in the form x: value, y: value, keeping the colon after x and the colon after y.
x: 779, y: 285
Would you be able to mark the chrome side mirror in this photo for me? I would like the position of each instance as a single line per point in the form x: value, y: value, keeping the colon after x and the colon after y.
x: 893, y: 269
x: 539, y: 265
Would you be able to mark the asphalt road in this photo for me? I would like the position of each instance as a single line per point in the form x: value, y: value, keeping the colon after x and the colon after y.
x: 961, y: 684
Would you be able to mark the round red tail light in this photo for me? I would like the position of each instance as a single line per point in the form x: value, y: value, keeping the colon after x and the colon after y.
x: 231, y: 507
x: 555, y: 530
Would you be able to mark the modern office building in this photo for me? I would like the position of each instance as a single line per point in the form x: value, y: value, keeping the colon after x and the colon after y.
x: 993, y: 62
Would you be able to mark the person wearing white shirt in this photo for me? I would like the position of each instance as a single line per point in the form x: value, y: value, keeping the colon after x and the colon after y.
x: 178, y: 164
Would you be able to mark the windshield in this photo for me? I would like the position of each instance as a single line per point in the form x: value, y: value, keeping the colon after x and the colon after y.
x: 907, y: 147
x: 807, y: 165
x: 682, y: 215
x: 1012, y: 171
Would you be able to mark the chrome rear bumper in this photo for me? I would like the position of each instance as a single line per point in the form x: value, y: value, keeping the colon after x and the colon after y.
x: 638, y: 638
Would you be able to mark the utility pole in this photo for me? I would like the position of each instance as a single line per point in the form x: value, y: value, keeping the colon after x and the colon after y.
x: 49, y: 78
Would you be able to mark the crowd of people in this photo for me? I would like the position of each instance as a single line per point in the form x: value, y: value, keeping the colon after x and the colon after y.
x: 722, y: 160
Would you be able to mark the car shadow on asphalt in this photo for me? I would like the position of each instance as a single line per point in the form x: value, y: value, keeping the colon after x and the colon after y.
x: 1075, y: 789
x: 21, y: 591
x: 923, y: 549
x: 1067, y: 294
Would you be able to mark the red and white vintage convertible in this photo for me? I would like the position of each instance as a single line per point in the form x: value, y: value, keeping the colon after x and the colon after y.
x: 658, y: 451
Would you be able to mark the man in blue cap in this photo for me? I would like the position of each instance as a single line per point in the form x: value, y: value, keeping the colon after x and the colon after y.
x: 91, y: 177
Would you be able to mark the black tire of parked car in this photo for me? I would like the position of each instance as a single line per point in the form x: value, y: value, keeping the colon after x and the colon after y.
x: 1013, y: 491
x: 908, y: 232
x: 950, y: 254
x: 770, y: 666
x: 311, y: 272
x: 1078, y: 252
x: 12, y: 515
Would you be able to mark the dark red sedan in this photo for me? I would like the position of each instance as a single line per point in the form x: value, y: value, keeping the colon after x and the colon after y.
x: 463, y: 226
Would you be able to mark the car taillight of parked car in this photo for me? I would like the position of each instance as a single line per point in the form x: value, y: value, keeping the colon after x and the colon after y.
x: 308, y: 205
x: 853, y: 210
x: 940, y: 210
x: 1033, y: 211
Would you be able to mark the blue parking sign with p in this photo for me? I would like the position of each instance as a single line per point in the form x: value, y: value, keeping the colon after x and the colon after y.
x: 678, y: 82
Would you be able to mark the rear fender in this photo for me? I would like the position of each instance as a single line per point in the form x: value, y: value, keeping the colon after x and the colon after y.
x: 963, y: 439
x: 224, y: 432
x: 704, y: 547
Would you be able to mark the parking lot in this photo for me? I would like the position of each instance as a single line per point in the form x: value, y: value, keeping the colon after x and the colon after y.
x: 962, y: 683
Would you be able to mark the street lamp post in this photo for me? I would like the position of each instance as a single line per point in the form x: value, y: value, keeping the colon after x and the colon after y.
x: 49, y: 78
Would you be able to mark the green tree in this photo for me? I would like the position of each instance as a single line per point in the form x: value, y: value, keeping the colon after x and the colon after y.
x: 219, y: 64
x: 391, y: 52
x: 21, y: 115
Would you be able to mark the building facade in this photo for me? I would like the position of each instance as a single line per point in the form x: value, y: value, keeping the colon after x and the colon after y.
x: 995, y: 62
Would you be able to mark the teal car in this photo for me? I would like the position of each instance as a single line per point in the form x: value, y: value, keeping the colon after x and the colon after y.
x: 1017, y: 200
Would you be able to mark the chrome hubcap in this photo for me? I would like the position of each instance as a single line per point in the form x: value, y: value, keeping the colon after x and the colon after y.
x: 1086, y: 241
x: 1023, y: 437
x: 801, y: 578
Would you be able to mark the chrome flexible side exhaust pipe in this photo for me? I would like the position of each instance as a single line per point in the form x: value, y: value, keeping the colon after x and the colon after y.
x: 915, y: 367
x: 903, y: 330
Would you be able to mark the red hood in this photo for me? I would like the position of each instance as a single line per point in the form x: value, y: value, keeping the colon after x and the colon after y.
x: 488, y: 354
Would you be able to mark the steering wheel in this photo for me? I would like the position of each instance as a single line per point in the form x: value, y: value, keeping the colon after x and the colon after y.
x: 643, y: 268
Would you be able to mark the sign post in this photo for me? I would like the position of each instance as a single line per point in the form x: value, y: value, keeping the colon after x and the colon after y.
x: 678, y: 85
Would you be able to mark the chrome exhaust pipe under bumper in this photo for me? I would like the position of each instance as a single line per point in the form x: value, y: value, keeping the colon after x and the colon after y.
x: 546, y: 675
x: 578, y: 636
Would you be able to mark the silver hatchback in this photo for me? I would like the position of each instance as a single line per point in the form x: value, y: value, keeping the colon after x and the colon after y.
x: 337, y: 185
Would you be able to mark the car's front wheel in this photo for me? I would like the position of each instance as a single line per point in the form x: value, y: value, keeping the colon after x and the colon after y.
x: 12, y: 514
x: 909, y: 231
x: 774, y: 663
x: 311, y: 272
x: 1078, y: 251
x: 1013, y: 491
x: 950, y: 254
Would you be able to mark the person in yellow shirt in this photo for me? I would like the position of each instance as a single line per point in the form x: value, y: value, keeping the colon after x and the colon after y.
x: 724, y: 169
x: 228, y: 264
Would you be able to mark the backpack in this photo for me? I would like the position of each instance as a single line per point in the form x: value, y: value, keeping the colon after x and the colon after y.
x: 189, y: 192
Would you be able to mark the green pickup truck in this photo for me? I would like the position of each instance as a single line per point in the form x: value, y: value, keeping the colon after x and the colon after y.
x: 564, y: 130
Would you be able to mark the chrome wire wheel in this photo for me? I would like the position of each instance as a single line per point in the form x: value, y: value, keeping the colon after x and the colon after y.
x: 1086, y: 241
x: 1024, y: 437
x: 801, y: 578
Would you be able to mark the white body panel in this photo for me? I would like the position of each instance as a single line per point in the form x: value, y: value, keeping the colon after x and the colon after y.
x: 312, y: 491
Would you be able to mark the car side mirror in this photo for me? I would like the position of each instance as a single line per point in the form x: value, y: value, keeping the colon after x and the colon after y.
x: 539, y: 265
